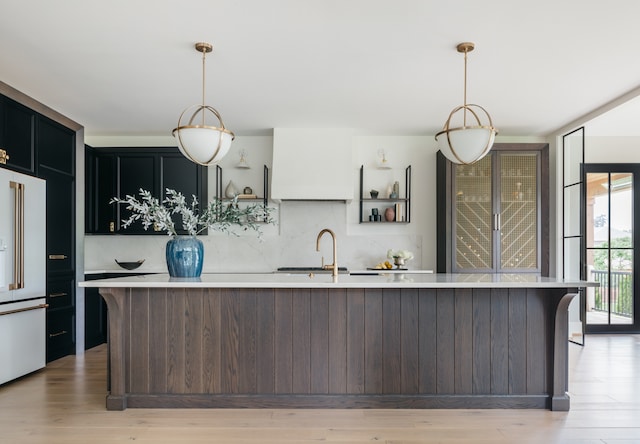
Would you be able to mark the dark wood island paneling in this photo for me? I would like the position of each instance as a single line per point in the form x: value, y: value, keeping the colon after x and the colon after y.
x: 338, y: 347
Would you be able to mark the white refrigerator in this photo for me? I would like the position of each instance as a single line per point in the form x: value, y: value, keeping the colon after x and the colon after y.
x: 22, y: 274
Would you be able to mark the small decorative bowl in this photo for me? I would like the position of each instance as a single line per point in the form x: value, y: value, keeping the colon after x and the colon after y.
x: 130, y: 265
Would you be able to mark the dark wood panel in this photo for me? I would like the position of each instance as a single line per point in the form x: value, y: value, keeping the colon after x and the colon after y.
x: 373, y: 341
x: 158, y: 343
x: 537, y: 342
x: 139, y: 322
x: 338, y: 341
x: 499, y: 341
x: 230, y: 346
x: 265, y: 344
x: 211, y: 343
x: 283, y: 331
x: 428, y: 314
x: 445, y: 356
x: 301, y: 342
x: 391, y: 341
x: 517, y: 341
x: 247, y: 339
x: 481, y: 341
x: 319, y: 341
x: 463, y: 351
x: 193, y: 338
x: 409, y: 345
x: 175, y: 340
x: 355, y: 341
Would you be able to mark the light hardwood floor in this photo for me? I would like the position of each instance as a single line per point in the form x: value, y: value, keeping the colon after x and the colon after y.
x: 65, y: 404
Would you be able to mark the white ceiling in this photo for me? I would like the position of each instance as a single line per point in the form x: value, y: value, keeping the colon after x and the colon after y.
x: 128, y: 67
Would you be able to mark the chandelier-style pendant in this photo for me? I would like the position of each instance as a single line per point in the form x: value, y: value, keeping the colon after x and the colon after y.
x: 467, y: 143
x: 199, y: 142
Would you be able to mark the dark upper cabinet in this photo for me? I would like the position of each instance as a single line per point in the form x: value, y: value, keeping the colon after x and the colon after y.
x: 133, y: 172
x: 100, y: 171
x: 121, y: 171
x: 17, y: 135
x: 56, y: 146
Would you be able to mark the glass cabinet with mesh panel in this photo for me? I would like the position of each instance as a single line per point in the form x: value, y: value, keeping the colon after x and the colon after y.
x: 493, y: 215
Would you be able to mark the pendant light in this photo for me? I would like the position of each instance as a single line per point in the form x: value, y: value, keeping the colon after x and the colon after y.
x: 472, y: 141
x: 199, y: 142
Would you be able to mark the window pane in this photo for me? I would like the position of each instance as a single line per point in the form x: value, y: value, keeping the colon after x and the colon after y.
x: 572, y: 258
x: 572, y: 210
x: 620, y: 286
x: 597, y: 210
x: 621, y: 218
x: 572, y: 157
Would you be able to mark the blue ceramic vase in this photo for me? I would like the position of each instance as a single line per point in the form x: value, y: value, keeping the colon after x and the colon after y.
x: 185, y: 256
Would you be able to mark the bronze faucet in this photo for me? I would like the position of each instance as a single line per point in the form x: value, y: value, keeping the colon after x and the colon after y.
x: 334, y: 266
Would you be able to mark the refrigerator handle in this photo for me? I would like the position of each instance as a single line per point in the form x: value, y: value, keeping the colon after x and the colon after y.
x: 18, y: 236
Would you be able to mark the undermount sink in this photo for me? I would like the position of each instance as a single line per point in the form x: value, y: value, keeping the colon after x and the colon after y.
x: 306, y: 270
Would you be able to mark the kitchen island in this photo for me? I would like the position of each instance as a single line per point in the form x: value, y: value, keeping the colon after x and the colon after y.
x: 297, y: 341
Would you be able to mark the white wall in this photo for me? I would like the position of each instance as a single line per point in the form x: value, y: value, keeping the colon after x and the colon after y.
x: 611, y: 149
x: 292, y: 241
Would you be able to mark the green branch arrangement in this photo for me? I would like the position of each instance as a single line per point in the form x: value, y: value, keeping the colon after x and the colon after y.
x: 218, y: 215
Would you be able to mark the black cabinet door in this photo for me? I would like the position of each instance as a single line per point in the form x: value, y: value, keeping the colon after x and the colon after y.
x: 60, y: 333
x: 17, y: 126
x: 100, y: 188
x: 60, y: 221
x: 95, y: 318
x: 180, y: 174
x: 56, y: 145
x: 134, y: 172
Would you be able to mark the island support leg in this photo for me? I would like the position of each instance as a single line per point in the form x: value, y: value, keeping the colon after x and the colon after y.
x: 115, y: 298
x: 560, y: 400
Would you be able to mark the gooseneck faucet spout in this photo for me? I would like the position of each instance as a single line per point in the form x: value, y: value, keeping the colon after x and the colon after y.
x: 334, y: 266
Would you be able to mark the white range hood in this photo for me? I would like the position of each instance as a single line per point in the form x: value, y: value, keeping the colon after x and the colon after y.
x: 312, y: 164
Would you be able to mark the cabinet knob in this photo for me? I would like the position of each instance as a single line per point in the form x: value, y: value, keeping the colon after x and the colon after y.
x: 3, y: 157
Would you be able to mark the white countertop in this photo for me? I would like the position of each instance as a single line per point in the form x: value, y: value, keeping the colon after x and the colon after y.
x: 156, y: 271
x: 383, y: 280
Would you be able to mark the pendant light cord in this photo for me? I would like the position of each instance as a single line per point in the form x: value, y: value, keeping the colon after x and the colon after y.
x: 204, y: 55
x: 464, y: 123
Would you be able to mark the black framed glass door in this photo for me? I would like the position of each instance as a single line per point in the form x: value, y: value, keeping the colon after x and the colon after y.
x: 612, y: 213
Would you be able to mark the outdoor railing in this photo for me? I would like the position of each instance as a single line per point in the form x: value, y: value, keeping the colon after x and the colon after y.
x: 619, y: 290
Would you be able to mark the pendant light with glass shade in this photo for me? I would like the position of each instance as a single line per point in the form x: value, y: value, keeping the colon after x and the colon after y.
x: 198, y: 141
x: 472, y: 140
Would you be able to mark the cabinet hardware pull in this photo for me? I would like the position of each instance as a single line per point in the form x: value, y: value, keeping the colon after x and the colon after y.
x: 18, y: 236
x: 57, y: 257
x: 20, y: 310
x: 57, y: 295
x: 3, y: 157
x: 60, y: 333
x: 112, y: 227
x: 496, y: 222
